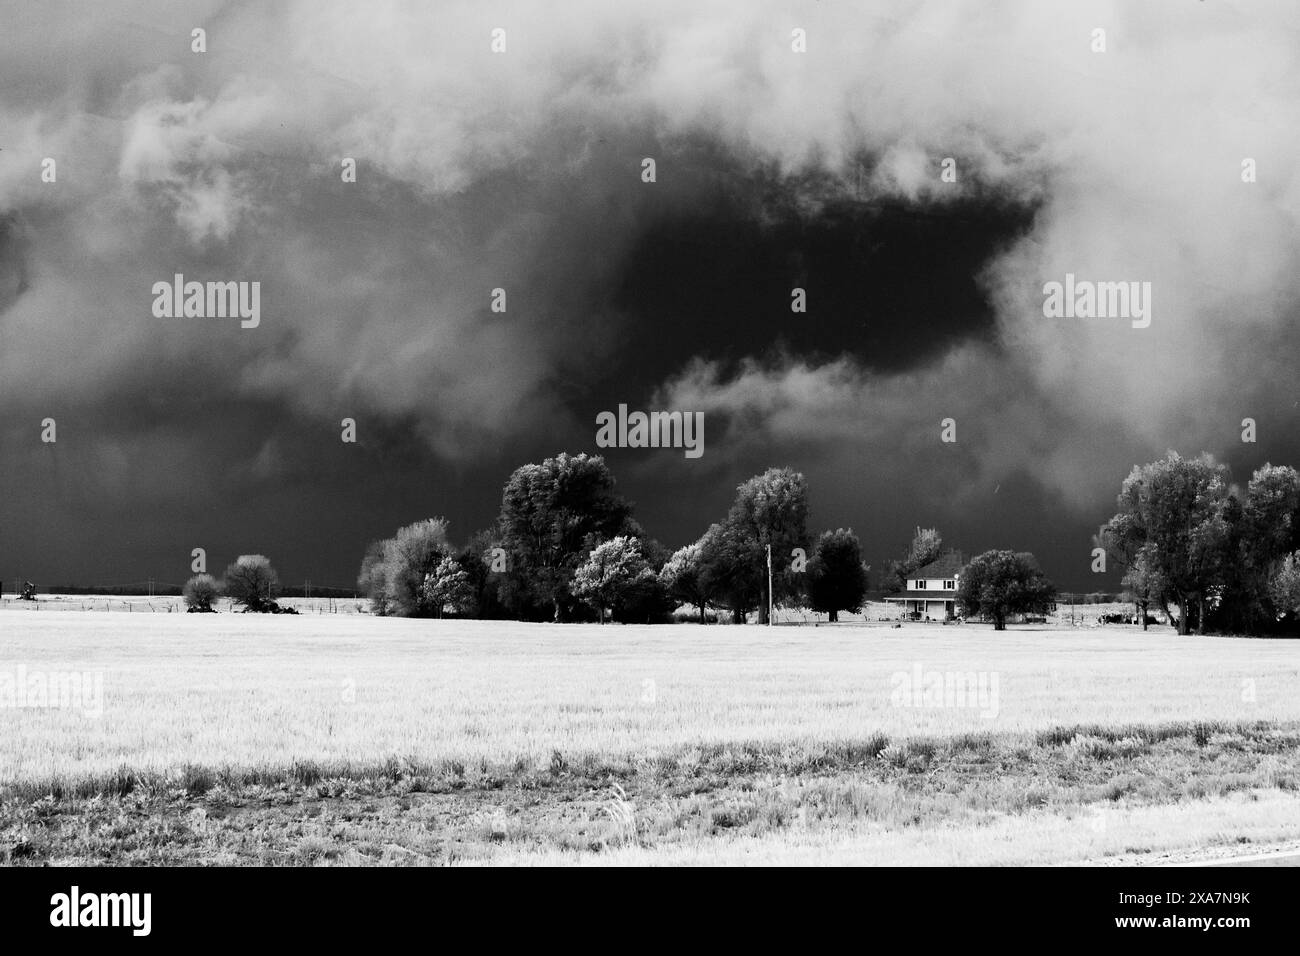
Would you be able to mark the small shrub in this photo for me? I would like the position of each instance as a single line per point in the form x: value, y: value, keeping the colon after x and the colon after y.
x: 305, y: 773
x: 1056, y: 737
x: 894, y: 755
x: 558, y: 764
x: 874, y: 745
x: 1090, y: 747
x: 1130, y: 747
x: 200, y: 592
x: 922, y: 750
x: 197, y: 780
x: 977, y: 743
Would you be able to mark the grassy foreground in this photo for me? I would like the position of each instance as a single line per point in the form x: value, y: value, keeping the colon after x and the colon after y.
x: 351, y: 739
x: 1075, y: 790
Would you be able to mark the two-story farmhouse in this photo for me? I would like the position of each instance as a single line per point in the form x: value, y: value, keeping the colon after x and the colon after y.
x: 931, y: 591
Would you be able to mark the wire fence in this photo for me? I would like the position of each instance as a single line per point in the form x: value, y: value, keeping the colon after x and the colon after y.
x: 171, y: 604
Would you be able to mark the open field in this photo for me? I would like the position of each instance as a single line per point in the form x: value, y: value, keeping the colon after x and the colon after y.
x: 169, y: 604
x: 345, y: 737
x: 873, y: 612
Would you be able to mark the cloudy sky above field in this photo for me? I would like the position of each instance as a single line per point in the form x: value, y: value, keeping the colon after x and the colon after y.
x: 521, y: 170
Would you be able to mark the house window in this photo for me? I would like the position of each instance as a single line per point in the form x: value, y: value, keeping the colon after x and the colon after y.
x: 920, y: 584
x: 950, y: 585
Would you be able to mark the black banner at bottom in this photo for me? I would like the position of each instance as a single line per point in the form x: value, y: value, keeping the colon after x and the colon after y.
x: 334, y: 906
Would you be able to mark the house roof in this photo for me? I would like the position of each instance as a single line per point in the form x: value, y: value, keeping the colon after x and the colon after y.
x: 946, y: 565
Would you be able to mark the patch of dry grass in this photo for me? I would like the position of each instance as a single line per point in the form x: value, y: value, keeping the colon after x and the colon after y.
x: 684, y: 802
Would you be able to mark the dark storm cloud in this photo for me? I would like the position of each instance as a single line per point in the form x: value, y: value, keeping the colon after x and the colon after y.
x: 521, y: 171
x: 888, y: 283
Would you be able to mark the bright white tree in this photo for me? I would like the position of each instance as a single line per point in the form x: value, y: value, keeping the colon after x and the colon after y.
x: 611, y: 572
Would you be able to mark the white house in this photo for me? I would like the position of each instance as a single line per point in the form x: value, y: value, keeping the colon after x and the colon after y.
x: 931, y: 591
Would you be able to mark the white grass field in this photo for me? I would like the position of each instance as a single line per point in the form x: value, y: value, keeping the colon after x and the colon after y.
x: 216, y: 689
x: 674, y: 704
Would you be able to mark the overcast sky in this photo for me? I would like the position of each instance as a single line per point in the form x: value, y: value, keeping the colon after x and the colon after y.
x: 522, y: 170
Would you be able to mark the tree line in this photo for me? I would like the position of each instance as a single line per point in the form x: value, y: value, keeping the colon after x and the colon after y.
x: 1212, y: 555
x: 566, y: 547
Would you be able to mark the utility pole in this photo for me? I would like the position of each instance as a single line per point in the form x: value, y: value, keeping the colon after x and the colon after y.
x: 769, y: 585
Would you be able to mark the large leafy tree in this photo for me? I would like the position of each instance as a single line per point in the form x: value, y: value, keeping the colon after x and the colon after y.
x: 552, y: 515
x: 372, y: 579
x: 448, y: 588
x: 410, y: 557
x: 1143, y: 585
x: 252, y: 582
x: 1269, y: 531
x: 480, y: 556
x: 997, y: 584
x: 837, y: 579
x: 1177, y: 513
x: 1271, y: 516
x: 771, y: 509
x: 648, y: 600
x: 683, y: 577
x: 613, y: 573
x: 1284, y: 585
x: 733, y: 569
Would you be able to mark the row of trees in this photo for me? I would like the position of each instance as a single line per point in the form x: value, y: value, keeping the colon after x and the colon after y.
x: 566, y: 547
x: 1225, y: 558
x: 249, y: 581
